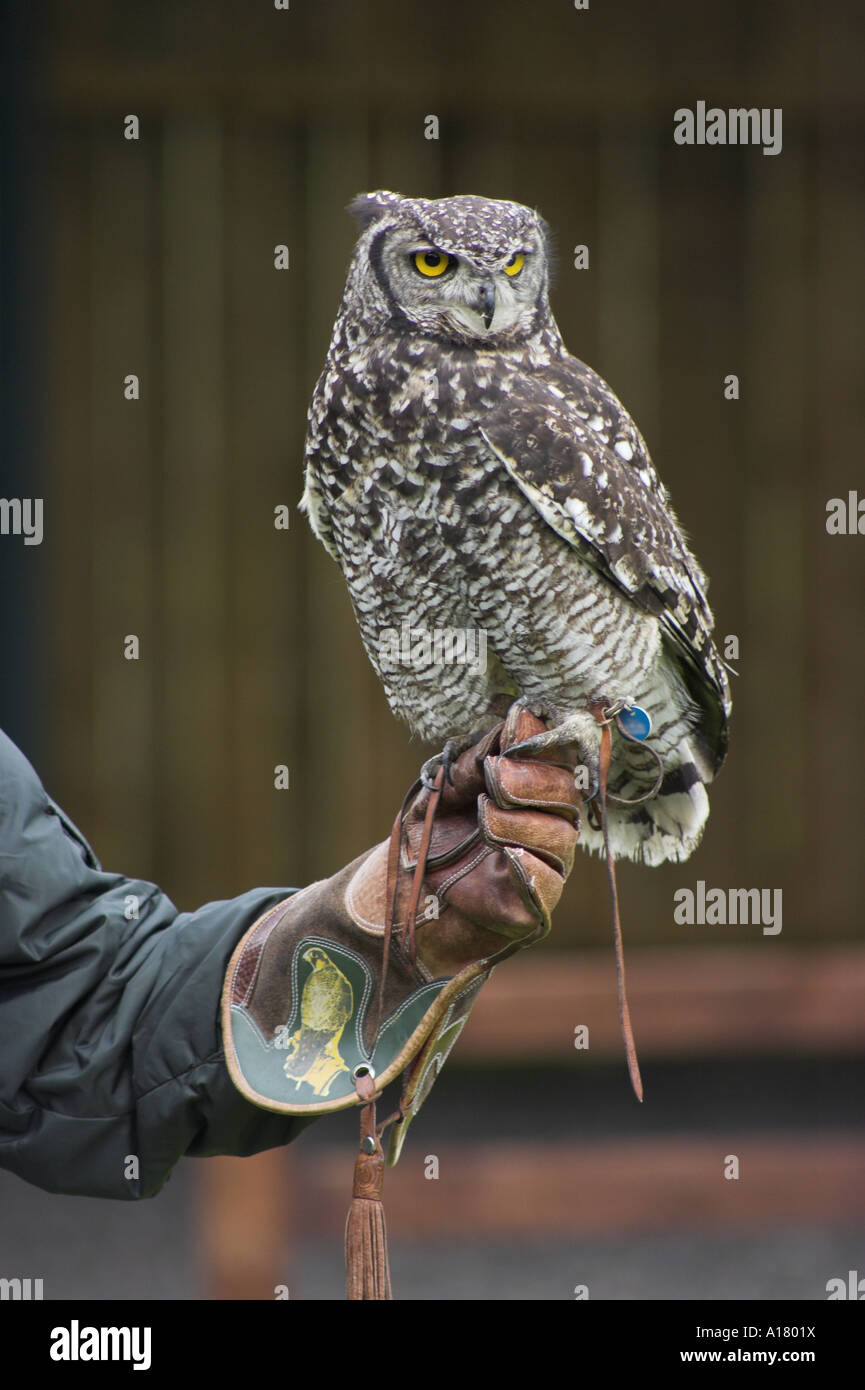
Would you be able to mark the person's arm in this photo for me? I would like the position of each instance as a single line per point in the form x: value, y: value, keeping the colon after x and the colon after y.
x: 115, y: 1060
x: 111, y: 1061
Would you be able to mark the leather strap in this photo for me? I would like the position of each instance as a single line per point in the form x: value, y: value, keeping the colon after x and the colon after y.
x: 393, y: 872
x: 624, y: 1012
x: 421, y: 865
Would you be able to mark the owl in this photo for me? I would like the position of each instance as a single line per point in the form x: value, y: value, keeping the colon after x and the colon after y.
x: 499, y: 523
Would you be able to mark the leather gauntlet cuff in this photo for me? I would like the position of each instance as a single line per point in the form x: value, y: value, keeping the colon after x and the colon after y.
x: 300, y: 999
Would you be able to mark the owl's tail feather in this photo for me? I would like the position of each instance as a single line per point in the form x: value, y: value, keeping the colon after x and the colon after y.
x: 677, y: 817
x: 669, y: 826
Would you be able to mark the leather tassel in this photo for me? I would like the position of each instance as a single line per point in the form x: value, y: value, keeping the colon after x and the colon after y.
x: 366, y: 1262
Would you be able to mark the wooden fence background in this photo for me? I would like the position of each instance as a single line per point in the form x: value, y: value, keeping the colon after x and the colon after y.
x: 257, y: 126
x: 155, y: 257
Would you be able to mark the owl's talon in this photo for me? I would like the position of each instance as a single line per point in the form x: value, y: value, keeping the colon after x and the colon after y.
x: 453, y: 749
x: 530, y: 746
x: 445, y: 759
x: 430, y: 770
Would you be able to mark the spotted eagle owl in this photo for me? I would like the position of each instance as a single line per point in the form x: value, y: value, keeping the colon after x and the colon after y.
x: 471, y: 477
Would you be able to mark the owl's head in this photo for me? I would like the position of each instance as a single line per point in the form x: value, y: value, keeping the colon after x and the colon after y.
x: 472, y: 270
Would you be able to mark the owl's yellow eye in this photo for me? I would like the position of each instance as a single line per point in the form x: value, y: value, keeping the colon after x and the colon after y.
x: 515, y: 264
x: 431, y: 263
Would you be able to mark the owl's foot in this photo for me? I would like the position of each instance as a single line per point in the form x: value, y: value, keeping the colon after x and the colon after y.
x: 447, y: 757
x: 579, y: 730
x: 541, y: 709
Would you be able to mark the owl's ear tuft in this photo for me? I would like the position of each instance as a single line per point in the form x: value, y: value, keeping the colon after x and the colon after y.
x: 368, y: 207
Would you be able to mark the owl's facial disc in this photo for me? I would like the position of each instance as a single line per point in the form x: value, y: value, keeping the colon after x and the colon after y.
x: 480, y: 300
x: 458, y: 296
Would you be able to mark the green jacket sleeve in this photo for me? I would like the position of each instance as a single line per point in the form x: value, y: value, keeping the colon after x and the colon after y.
x: 111, y: 1063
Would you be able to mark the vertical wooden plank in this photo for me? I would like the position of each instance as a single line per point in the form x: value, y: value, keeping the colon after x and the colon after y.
x: 628, y: 254
x: 402, y: 159
x: 771, y: 694
x: 702, y: 459
x: 265, y: 409
x: 835, y: 651
x: 70, y: 496
x: 122, y: 531
x: 627, y: 264
x: 197, y: 843
x: 245, y: 1218
x: 484, y: 155
x: 569, y: 205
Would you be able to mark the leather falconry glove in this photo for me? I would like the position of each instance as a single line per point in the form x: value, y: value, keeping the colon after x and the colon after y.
x: 371, y: 974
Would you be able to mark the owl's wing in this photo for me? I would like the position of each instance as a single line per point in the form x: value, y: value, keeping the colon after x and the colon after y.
x: 573, y: 450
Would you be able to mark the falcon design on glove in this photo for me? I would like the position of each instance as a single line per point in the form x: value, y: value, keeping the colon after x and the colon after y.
x: 326, y: 1005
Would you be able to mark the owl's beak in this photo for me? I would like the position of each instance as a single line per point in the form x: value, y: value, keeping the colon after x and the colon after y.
x: 487, y: 302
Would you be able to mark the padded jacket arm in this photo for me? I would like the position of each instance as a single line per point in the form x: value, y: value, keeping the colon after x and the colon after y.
x: 110, y: 1047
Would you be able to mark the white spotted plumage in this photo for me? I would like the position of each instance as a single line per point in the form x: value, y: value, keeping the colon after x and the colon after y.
x: 474, y: 475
